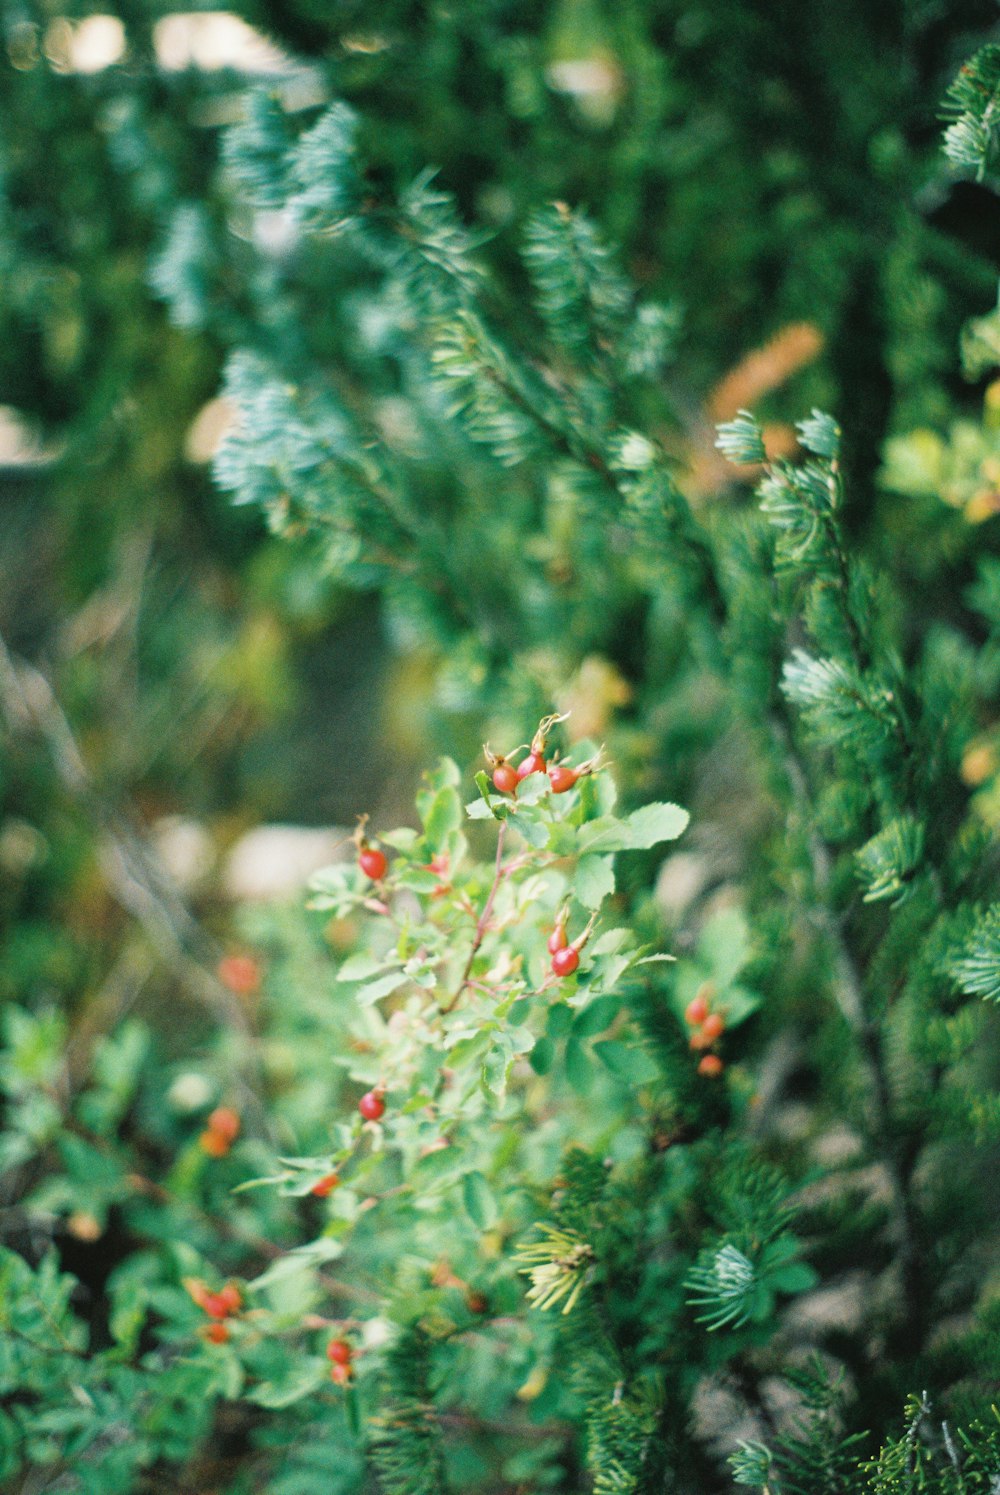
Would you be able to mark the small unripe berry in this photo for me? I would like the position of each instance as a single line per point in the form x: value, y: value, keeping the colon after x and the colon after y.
x: 505, y: 778
x: 339, y: 1352
x: 373, y: 863
x: 372, y: 1105
x: 711, y: 1065
x: 714, y: 1026
x: 562, y: 777
x: 565, y: 961
x: 341, y: 1374
x: 696, y: 1011
x: 557, y: 939
x: 533, y: 763
x: 326, y: 1185
x: 216, y: 1333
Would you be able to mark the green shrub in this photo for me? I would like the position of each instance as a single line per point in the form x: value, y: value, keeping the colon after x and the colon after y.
x: 720, y: 1187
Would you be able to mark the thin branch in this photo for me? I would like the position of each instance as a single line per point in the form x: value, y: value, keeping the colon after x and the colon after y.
x: 499, y: 872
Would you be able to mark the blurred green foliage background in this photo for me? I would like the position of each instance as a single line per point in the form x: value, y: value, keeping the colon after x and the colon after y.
x: 760, y: 166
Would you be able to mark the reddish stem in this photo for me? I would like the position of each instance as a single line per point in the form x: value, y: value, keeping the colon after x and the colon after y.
x: 482, y: 923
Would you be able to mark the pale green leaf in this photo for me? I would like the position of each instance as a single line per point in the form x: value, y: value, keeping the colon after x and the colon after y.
x: 594, y: 880
x: 374, y: 991
x: 479, y: 1201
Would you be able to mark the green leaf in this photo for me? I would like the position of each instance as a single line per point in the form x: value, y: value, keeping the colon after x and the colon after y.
x: 559, y: 1020
x: 441, y: 813
x: 361, y: 967
x: 446, y: 774
x: 596, y: 1016
x: 737, y: 1004
x: 301, y: 1259
x: 627, y: 1061
x: 797, y: 1277
x: 519, y: 1040
x: 467, y: 1048
x: 478, y: 1198
x: 543, y: 1055
x: 609, y: 942
x: 724, y: 944
x: 302, y: 1378
x: 648, y: 826
x: 495, y: 1067
x: 562, y: 839
x: 483, y: 809
x: 579, y: 1070
x: 403, y: 839
x: 443, y: 1162
x: 533, y: 831
x: 532, y: 789
x: 602, y: 835
x: 594, y: 880
x: 374, y: 991
x: 417, y: 879
x: 644, y: 828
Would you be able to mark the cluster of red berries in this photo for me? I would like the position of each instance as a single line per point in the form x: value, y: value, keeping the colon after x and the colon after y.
x: 566, y: 955
x: 221, y: 1131
x: 709, y: 1027
x: 217, y: 1306
x: 562, y: 777
x: 341, y: 1358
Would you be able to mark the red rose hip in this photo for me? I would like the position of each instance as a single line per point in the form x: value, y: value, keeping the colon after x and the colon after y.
x: 240, y: 973
x: 213, y: 1305
x: 230, y: 1298
x: 339, y: 1352
x: 711, y: 1065
x: 557, y: 939
x: 565, y: 962
x: 373, y: 863
x: 372, y: 1105
x: 505, y: 779
x: 326, y: 1185
x: 696, y: 1011
x: 533, y: 763
x: 713, y: 1026
x: 562, y: 777
x: 225, y: 1123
